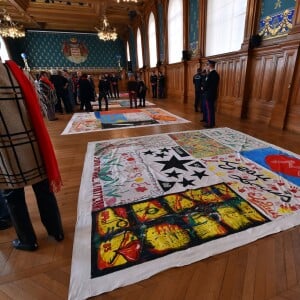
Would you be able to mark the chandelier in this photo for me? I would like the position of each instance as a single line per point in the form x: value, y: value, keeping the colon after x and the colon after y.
x: 8, y: 28
x: 135, y: 1
x: 107, y: 33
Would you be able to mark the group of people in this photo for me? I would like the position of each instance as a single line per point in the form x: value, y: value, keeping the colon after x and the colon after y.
x: 206, y: 84
x: 108, y: 88
x: 136, y: 89
x: 158, y: 85
x: 59, y: 91
x: 36, y: 164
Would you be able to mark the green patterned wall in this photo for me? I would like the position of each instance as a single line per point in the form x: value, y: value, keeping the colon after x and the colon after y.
x: 68, y: 50
x: 193, y: 26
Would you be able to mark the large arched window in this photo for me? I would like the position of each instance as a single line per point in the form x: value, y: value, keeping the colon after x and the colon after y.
x: 175, y: 30
x: 3, y: 50
x: 152, y: 41
x: 226, y: 35
x: 128, y: 51
x: 139, y: 48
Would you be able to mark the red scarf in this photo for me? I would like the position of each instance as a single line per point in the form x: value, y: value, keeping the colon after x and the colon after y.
x: 42, y: 135
x: 47, y: 81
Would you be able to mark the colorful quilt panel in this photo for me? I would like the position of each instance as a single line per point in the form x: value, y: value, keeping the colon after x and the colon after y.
x: 150, y: 203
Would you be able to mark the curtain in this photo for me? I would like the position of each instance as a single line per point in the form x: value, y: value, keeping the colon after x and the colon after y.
x: 225, y: 26
x: 175, y: 30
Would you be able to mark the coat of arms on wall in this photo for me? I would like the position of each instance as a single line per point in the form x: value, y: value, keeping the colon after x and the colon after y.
x: 75, y: 51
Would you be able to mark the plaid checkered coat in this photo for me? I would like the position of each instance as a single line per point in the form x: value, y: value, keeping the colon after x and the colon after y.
x: 20, y: 160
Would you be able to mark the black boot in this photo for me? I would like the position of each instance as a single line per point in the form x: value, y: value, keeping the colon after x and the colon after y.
x: 21, y: 221
x: 48, y: 208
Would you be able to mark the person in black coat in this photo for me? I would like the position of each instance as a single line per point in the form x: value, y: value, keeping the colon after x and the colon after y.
x: 142, y: 89
x: 161, y: 85
x: 211, y: 94
x: 102, y: 93
x: 115, y: 85
x: 132, y: 87
x: 86, y: 93
x: 153, y: 81
x: 197, y: 81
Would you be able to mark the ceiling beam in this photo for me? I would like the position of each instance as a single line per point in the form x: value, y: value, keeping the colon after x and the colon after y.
x: 23, y: 12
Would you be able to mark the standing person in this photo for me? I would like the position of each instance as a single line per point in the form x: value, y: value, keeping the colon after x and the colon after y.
x: 108, y: 85
x: 132, y: 87
x: 142, y: 89
x: 78, y: 75
x: 102, y: 93
x: 161, y: 85
x: 211, y: 94
x: 70, y: 88
x: 114, y: 82
x: 86, y: 93
x: 31, y: 162
x: 153, y: 81
x: 91, y: 80
x: 5, y: 221
x: 47, y: 96
x: 197, y: 81
x: 61, y: 88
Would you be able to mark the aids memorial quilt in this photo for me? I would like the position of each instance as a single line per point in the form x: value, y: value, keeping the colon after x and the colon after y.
x: 150, y: 203
x: 116, y: 119
x: 118, y: 103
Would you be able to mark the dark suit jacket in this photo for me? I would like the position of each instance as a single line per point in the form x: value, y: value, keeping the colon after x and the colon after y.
x: 211, y: 85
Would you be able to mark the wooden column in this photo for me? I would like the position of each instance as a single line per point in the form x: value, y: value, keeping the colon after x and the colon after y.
x: 202, y: 27
x: 185, y: 47
x: 294, y: 33
x: 251, y: 22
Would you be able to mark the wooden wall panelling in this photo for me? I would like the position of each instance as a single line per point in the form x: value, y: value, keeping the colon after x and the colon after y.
x: 282, y: 86
x: 232, y: 70
x: 192, y: 67
x: 270, y: 76
x: 293, y: 112
x: 175, y: 86
x: 261, y: 81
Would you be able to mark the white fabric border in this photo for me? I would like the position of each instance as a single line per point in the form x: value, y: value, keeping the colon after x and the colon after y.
x: 81, y: 284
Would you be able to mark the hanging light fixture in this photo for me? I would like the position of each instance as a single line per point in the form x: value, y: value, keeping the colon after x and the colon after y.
x: 106, y: 32
x: 135, y: 1
x: 11, y: 29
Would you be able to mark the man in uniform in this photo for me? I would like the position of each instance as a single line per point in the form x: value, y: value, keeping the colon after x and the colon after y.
x: 211, y: 94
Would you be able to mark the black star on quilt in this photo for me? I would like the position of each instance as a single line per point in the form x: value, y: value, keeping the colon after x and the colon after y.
x: 165, y: 150
x: 174, y: 163
x: 199, y: 174
x: 165, y: 185
x: 149, y: 152
x: 186, y: 182
x: 173, y: 174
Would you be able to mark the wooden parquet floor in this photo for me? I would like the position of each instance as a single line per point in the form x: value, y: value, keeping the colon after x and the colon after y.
x: 266, y: 269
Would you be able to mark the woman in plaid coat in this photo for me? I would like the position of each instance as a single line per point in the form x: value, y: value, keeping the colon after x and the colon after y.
x: 26, y: 158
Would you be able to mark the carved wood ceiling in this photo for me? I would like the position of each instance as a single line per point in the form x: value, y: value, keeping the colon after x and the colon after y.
x: 76, y: 15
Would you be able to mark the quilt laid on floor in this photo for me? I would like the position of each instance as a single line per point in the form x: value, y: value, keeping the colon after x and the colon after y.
x: 116, y: 119
x: 150, y: 203
x: 118, y: 103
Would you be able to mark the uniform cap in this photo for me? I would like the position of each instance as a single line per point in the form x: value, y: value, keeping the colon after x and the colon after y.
x: 212, y: 62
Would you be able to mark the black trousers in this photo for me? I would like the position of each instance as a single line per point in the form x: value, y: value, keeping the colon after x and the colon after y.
x: 116, y: 91
x: 102, y: 95
x: 154, y: 90
x: 47, y: 206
